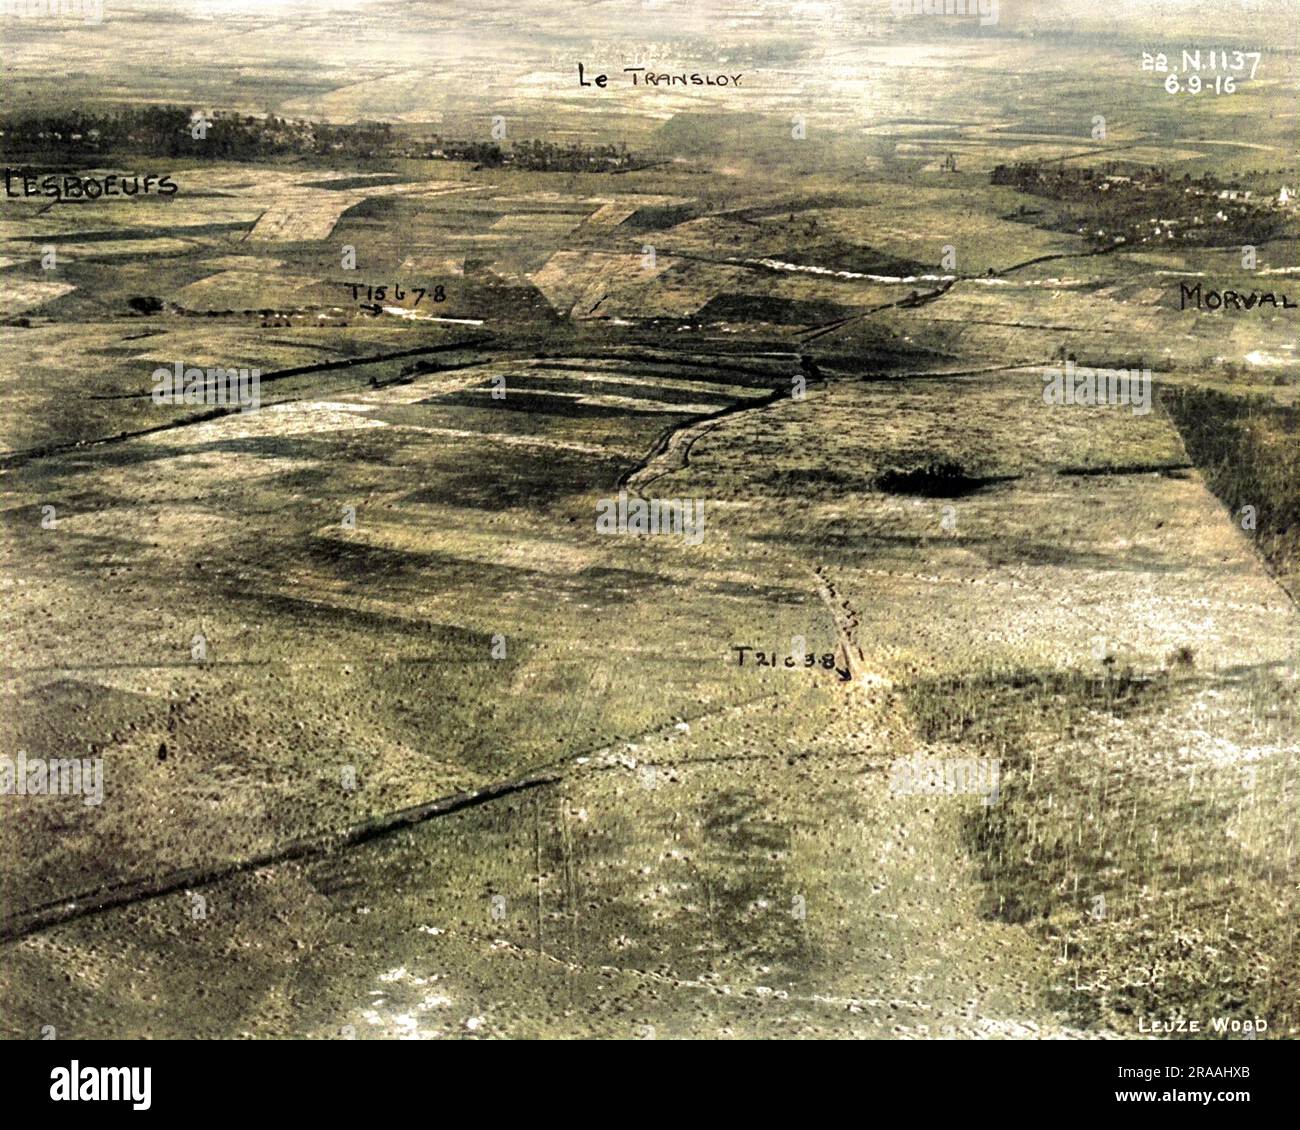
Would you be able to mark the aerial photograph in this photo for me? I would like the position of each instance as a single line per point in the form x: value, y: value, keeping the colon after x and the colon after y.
x: 649, y: 520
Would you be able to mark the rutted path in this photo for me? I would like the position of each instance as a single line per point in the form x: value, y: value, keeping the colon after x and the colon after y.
x: 672, y: 450
x: 846, y: 625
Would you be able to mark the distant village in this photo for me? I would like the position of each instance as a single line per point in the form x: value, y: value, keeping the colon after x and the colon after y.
x: 1137, y: 204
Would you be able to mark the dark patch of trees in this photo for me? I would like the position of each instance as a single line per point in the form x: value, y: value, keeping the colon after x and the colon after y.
x: 169, y: 131
x: 534, y: 155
